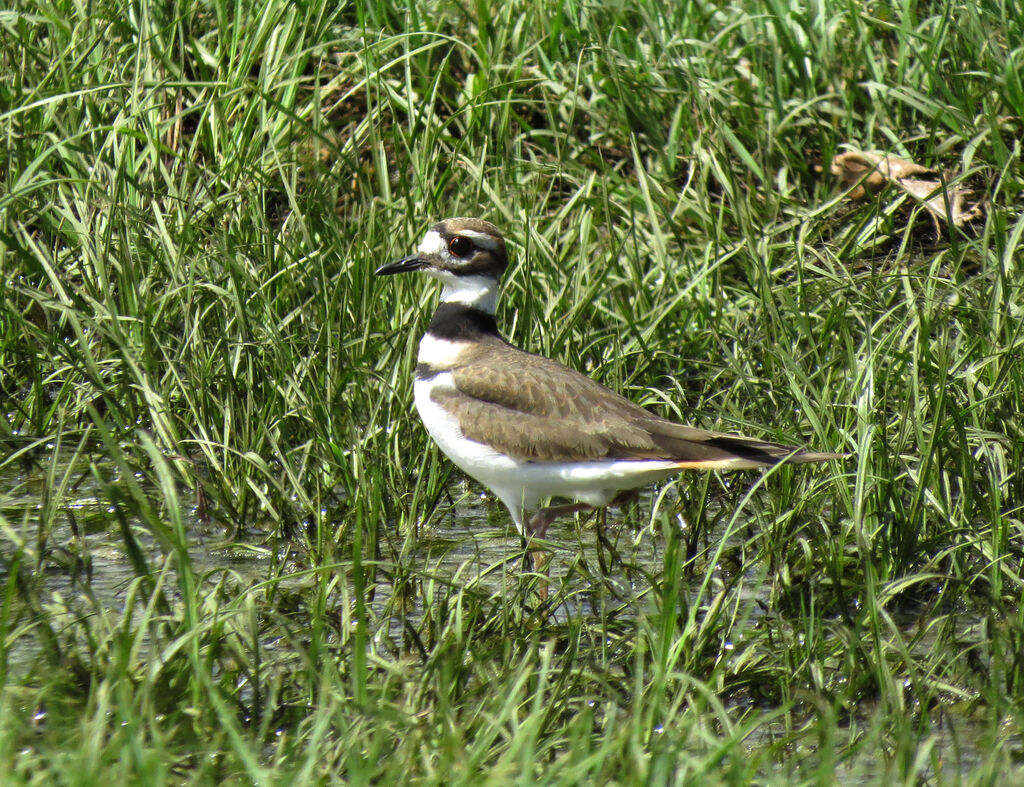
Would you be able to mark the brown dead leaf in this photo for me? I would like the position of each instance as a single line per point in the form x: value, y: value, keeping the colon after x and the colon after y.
x: 870, y: 172
x: 934, y: 195
x: 864, y: 173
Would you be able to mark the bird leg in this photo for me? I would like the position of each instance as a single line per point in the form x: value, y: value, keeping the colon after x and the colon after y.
x: 537, y: 527
x: 625, y: 498
x: 539, y: 522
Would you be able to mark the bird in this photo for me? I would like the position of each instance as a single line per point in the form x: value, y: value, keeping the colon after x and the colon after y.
x: 527, y: 427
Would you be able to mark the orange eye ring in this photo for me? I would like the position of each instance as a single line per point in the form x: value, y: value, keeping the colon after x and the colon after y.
x: 460, y: 246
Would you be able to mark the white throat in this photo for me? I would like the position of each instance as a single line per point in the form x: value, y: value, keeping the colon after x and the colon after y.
x: 480, y: 292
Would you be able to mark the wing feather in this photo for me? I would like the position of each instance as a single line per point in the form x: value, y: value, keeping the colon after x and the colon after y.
x: 534, y: 409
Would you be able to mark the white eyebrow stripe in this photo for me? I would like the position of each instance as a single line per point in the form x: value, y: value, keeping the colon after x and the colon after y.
x: 481, y: 239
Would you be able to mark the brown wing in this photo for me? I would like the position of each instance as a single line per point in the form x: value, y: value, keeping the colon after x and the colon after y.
x: 535, y: 409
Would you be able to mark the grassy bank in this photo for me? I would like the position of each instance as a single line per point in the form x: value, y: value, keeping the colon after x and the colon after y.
x: 228, y: 552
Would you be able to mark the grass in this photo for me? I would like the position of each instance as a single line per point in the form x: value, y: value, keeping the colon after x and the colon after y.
x: 228, y: 553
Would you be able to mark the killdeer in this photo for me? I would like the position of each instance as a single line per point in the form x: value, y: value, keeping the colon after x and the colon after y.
x: 527, y: 427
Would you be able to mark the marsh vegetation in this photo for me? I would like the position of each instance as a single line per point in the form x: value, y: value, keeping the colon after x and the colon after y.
x: 228, y: 551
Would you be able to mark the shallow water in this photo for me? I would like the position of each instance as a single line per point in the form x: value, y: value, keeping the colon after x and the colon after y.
x: 469, y: 543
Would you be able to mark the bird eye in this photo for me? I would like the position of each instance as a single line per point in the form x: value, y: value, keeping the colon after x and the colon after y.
x: 460, y: 246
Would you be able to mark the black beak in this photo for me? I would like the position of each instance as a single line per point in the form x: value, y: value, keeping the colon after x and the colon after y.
x: 404, y: 265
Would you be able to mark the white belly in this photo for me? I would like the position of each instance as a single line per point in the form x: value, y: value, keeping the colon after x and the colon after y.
x: 521, y: 484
